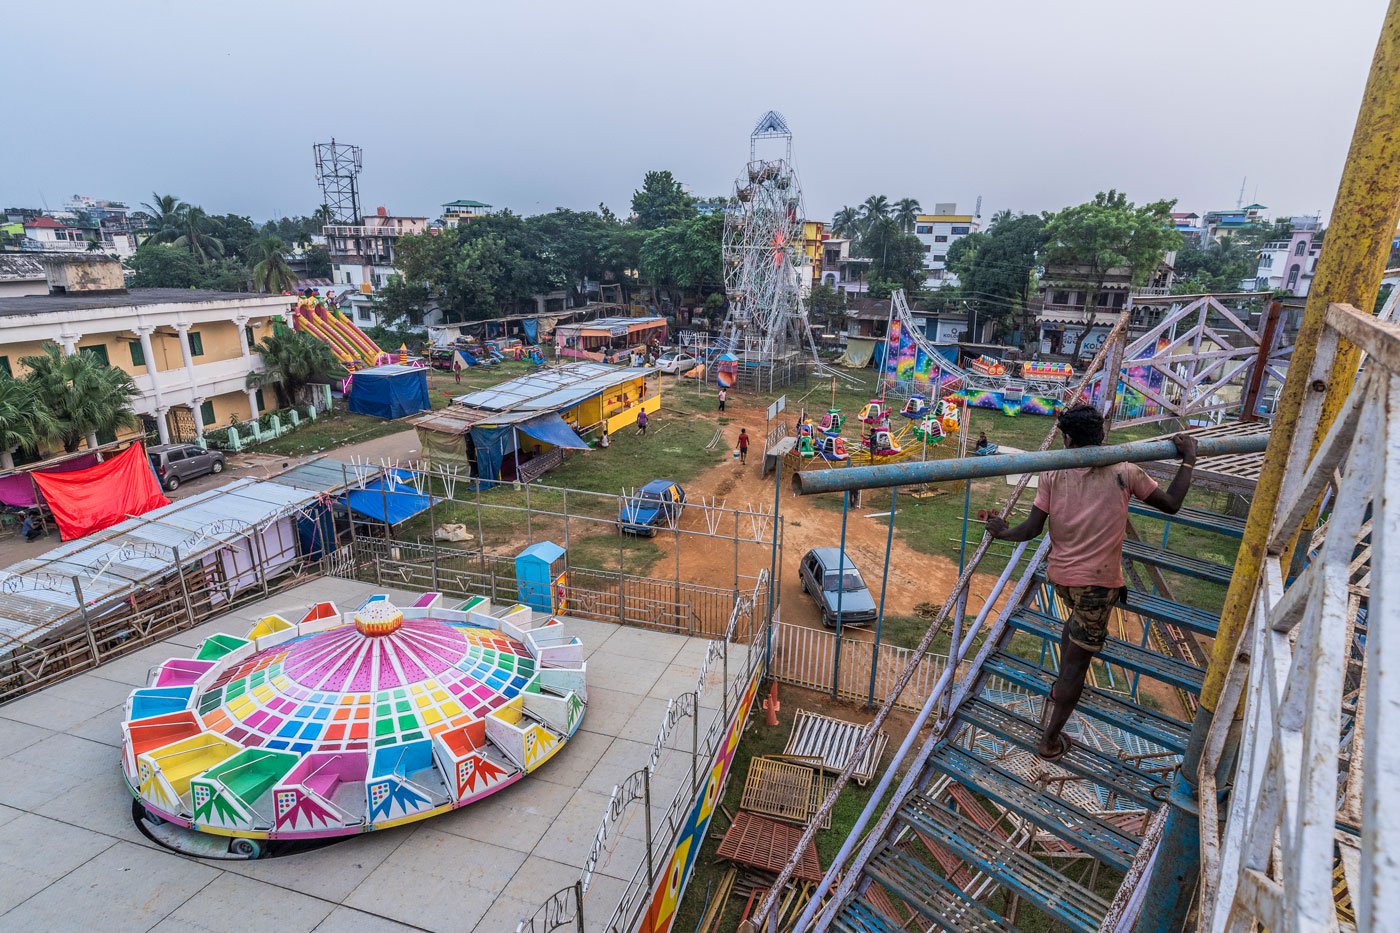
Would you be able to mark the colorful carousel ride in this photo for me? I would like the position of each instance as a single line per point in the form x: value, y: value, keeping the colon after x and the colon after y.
x: 341, y: 724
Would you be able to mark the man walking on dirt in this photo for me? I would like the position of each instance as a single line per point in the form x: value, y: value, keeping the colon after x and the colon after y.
x: 743, y: 445
x: 1088, y: 512
x: 722, y: 396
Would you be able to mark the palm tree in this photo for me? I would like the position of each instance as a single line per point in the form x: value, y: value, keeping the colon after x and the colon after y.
x: 270, y: 270
x: 323, y: 216
x: 23, y: 424
x: 875, y: 207
x: 196, y: 237
x: 293, y: 360
x: 80, y: 396
x: 906, y: 212
x: 167, y: 217
x: 846, y: 223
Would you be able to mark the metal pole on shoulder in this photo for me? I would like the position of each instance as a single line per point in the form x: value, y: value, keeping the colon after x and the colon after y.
x: 884, y: 584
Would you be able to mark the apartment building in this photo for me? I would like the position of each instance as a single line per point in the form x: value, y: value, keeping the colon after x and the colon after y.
x: 1288, y: 265
x: 362, y: 258
x: 938, y: 232
x: 188, y: 351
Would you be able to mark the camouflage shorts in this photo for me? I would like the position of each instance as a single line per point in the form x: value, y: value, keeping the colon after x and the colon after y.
x: 1089, y: 609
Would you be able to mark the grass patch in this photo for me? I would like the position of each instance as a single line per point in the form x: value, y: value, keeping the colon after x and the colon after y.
x: 673, y: 448
x: 333, y: 429
x: 601, y: 551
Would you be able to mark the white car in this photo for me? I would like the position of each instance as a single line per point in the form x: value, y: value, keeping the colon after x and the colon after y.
x: 676, y: 362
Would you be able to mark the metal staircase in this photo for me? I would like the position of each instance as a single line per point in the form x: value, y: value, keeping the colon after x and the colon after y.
x: 941, y: 861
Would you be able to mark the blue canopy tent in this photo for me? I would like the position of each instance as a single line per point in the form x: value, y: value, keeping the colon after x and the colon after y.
x: 390, y: 391
x: 553, y: 429
x: 389, y: 499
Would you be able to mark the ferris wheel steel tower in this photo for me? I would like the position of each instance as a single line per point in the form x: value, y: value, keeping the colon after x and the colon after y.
x: 767, y: 319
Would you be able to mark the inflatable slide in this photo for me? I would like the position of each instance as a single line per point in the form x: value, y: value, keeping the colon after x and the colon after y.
x: 327, y: 323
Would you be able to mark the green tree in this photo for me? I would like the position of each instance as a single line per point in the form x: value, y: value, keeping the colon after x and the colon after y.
x: 23, y: 422
x: 661, y: 201
x: 685, y: 256
x: 236, y: 234
x: 293, y: 360
x: 1220, y: 267
x: 876, y: 207
x: 896, y: 258
x: 197, y: 235
x: 1085, y: 243
x: 906, y: 211
x: 622, y: 254
x: 995, y: 269
x: 166, y: 215
x: 82, y: 396
x: 575, y: 243
x: 846, y: 223
x: 491, y: 266
x: 271, y: 273
x: 826, y: 305
x: 399, y: 301
x: 163, y: 265
x: 318, y: 263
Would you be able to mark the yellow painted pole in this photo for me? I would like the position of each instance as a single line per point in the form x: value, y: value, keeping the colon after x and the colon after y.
x: 1348, y: 271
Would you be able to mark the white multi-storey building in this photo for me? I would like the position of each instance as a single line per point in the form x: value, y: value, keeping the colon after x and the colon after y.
x: 938, y: 232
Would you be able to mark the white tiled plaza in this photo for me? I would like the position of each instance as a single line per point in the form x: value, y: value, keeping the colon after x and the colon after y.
x: 72, y: 859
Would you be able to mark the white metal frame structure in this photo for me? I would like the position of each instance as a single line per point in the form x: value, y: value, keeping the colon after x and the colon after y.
x: 767, y: 319
x: 1207, y: 361
x: 1313, y: 789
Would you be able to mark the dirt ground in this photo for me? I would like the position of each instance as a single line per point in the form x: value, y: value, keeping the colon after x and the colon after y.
x: 914, y: 578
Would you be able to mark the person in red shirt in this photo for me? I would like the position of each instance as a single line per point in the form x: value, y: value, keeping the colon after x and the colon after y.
x: 1088, y: 512
x: 743, y: 445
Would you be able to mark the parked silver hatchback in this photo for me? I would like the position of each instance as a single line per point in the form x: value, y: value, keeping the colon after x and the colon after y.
x: 178, y: 463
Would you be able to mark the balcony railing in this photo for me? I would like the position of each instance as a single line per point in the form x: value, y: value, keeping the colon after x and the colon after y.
x: 358, y: 230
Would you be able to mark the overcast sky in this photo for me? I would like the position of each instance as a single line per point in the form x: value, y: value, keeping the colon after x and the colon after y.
x: 529, y: 104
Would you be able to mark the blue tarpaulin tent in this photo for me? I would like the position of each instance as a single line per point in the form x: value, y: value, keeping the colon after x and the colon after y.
x: 492, y: 444
x: 552, y: 430
x: 389, y: 499
x: 532, y: 329
x: 391, y: 391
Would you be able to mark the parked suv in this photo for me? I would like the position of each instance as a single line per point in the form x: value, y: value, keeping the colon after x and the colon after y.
x: 823, y: 583
x: 176, y: 463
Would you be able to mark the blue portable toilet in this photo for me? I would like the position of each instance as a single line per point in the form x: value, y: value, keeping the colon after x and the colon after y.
x: 540, y: 577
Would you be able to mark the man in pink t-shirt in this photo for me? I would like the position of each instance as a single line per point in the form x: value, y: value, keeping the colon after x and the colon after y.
x: 1088, y: 512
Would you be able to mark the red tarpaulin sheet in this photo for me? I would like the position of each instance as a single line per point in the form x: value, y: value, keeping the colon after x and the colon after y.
x: 85, y: 501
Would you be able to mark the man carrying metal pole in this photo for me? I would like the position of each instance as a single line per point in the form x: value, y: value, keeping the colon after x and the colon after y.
x: 1088, y: 512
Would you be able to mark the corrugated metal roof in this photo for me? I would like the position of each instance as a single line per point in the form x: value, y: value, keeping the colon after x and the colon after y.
x: 553, y: 389
x: 607, y: 323
x: 38, y: 594
x: 326, y: 474
x: 459, y: 419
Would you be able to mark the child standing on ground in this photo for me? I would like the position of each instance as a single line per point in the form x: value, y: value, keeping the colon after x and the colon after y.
x: 743, y: 445
x: 642, y: 422
x: 722, y: 396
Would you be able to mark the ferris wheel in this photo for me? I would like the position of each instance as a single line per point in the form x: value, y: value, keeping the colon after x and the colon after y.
x: 763, y: 253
